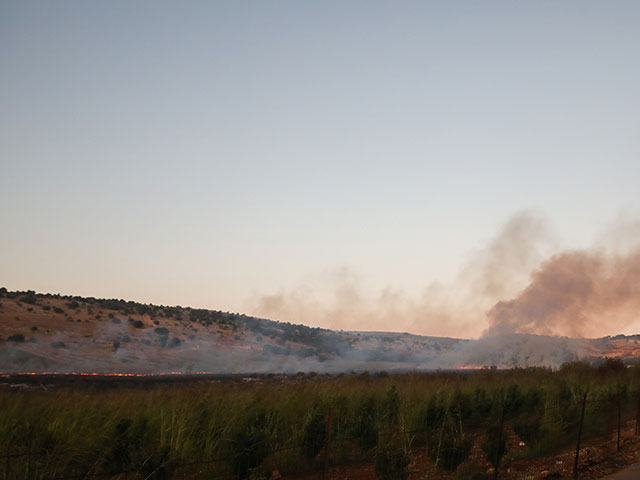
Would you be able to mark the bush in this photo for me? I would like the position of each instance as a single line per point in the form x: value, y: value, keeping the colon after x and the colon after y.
x: 391, y: 407
x: 471, y: 470
x: 58, y: 345
x: 528, y: 424
x: 161, y: 331
x: 137, y: 324
x: 16, y: 337
x: 314, y: 435
x: 453, y: 449
x: 494, y: 444
x: 127, y: 450
x: 58, y: 310
x: 365, y: 429
x: 392, y: 461
x: 250, y: 444
x: 30, y: 298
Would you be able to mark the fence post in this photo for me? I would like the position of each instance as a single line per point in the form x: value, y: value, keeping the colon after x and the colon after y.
x: 638, y: 416
x: 575, y: 463
x: 619, y: 426
x: 327, y: 442
x: 499, y: 446
x: 444, y: 418
x: 7, y: 467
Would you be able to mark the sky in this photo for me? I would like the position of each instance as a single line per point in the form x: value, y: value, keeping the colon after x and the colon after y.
x: 314, y: 162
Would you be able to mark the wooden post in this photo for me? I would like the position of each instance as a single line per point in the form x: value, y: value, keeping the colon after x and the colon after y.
x: 327, y: 442
x: 619, y: 414
x: 575, y: 463
x: 7, y: 467
x: 638, y: 416
x: 499, y: 446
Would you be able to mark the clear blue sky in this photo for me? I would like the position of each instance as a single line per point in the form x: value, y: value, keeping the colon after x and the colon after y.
x: 209, y: 153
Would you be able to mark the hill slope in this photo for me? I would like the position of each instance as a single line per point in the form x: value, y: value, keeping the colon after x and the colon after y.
x: 44, y: 332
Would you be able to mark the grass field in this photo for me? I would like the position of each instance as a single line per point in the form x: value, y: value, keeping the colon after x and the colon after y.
x: 249, y: 427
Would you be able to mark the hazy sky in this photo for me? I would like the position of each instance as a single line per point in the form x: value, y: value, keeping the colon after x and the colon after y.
x: 212, y: 153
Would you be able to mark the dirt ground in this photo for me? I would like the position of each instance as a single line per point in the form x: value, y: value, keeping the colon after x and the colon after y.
x: 598, y: 459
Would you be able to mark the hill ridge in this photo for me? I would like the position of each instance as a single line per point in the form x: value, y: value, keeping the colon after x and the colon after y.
x: 43, y: 331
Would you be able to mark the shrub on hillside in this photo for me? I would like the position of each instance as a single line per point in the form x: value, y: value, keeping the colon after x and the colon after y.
x: 16, y: 337
x: 30, y: 298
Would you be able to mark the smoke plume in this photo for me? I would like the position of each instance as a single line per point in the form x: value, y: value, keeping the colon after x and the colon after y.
x: 521, y: 281
x: 497, y: 270
x: 578, y: 293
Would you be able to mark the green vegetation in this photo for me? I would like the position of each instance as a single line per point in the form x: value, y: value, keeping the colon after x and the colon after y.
x: 392, y: 461
x: 237, y: 429
x: 30, y: 298
x: 161, y: 331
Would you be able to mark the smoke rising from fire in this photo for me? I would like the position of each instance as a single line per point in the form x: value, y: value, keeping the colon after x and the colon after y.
x: 521, y: 281
x: 579, y: 293
x: 497, y: 270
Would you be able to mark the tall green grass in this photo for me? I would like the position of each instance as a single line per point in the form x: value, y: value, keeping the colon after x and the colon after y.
x: 238, y: 429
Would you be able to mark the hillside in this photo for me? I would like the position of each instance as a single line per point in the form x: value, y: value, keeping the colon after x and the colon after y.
x: 45, y: 332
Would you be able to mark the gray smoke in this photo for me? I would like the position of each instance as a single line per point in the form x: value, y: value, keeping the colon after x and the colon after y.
x: 497, y: 270
x: 576, y: 293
